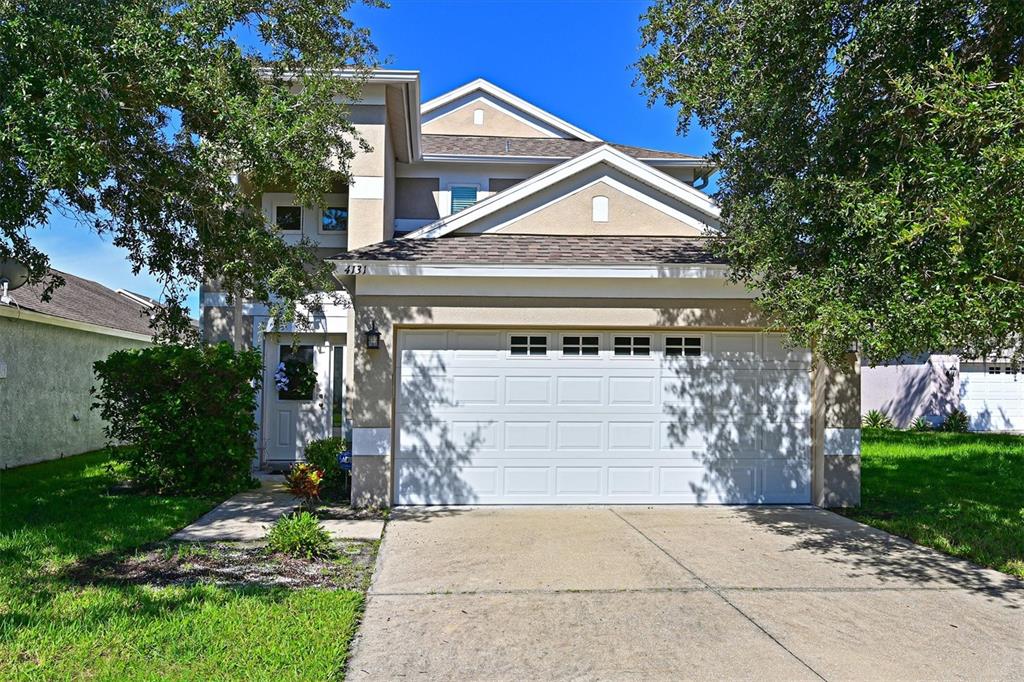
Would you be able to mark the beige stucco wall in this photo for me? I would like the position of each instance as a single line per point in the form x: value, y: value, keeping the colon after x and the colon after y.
x: 836, y: 410
x: 496, y: 123
x: 367, y: 216
x: 218, y: 324
x: 627, y: 215
x: 45, y: 401
x: 557, y: 207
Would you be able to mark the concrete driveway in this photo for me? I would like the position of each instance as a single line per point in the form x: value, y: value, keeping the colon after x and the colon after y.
x: 677, y: 593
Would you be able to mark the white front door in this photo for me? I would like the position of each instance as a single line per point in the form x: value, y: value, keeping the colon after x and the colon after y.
x: 606, y: 416
x: 292, y: 418
x: 992, y: 395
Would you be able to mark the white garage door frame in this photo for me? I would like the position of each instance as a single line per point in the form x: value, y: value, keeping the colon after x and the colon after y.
x: 731, y: 425
x: 992, y: 395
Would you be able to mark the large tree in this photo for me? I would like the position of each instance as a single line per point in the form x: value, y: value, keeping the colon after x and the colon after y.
x: 872, y: 158
x: 136, y: 119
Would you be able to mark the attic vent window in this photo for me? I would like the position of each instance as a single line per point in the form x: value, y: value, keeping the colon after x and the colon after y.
x: 463, y: 198
x: 478, y: 117
x: 600, y: 206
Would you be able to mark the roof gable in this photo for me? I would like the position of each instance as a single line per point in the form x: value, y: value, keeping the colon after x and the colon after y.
x: 519, y: 117
x: 606, y: 165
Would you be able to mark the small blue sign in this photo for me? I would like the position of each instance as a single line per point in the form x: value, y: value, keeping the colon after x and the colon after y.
x: 345, y: 460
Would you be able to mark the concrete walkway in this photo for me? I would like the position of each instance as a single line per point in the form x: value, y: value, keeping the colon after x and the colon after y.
x: 674, y: 593
x: 248, y: 516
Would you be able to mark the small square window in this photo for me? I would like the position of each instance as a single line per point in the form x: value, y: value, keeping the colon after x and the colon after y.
x: 288, y: 218
x: 994, y: 370
x: 632, y: 345
x: 683, y: 346
x: 334, y: 219
x: 580, y: 345
x: 462, y: 198
x: 528, y: 345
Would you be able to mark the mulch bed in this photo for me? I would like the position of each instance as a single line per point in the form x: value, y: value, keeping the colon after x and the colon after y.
x: 231, y: 564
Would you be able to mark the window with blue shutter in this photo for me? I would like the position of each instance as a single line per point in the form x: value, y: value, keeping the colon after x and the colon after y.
x: 462, y: 198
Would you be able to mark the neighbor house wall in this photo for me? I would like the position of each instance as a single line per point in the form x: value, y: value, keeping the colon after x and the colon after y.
x: 906, y: 389
x: 44, y: 399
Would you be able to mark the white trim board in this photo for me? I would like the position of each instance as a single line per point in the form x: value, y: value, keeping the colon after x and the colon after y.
x: 543, y: 287
x: 552, y: 270
x: 601, y: 155
x: 508, y: 98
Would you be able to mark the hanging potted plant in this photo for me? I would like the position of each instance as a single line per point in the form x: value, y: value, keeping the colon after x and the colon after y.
x: 295, y: 380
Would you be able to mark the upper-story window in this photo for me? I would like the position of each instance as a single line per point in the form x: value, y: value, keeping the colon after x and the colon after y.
x: 334, y: 219
x: 288, y: 218
x: 463, y: 197
x: 600, y: 209
x: 478, y: 117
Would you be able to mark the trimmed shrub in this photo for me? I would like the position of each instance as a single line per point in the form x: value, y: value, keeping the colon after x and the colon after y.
x: 956, y: 421
x: 323, y: 454
x: 876, y: 419
x: 185, y: 413
x: 301, y: 536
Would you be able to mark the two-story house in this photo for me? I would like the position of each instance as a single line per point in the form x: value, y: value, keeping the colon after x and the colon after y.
x: 534, y: 317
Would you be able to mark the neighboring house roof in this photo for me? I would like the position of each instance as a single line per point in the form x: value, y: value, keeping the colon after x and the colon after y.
x: 83, y: 300
x: 140, y: 298
x: 604, y: 154
x: 547, y: 147
x: 487, y: 88
x: 499, y: 248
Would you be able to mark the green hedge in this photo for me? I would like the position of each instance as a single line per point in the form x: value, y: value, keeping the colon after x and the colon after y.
x: 186, y: 414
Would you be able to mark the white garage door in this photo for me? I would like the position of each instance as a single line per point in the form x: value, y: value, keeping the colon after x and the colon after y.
x: 570, y: 416
x: 992, y: 395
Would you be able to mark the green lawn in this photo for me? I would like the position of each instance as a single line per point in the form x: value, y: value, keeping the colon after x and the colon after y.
x: 56, y: 513
x: 960, y: 493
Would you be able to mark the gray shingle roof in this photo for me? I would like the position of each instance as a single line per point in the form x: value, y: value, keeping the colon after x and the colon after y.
x: 539, y: 249
x: 479, y: 145
x: 83, y: 300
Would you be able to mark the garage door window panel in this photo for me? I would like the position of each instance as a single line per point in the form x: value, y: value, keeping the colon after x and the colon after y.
x: 632, y: 346
x: 586, y: 345
x: 528, y: 345
x: 684, y: 346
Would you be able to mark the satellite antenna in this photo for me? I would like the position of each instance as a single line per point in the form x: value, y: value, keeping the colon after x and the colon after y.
x: 12, y: 275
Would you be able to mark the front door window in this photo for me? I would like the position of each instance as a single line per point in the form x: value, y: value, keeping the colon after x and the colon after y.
x: 295, y: 377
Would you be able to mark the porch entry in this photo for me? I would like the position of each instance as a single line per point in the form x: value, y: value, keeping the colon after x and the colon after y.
x: 303, y: 394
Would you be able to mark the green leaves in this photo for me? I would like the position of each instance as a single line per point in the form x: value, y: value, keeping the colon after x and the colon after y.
x: 186, y: 413
x: 872, y: 183
x: 135, y: 119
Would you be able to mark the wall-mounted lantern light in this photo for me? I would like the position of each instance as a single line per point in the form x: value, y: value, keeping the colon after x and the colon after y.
x: 372, y: 338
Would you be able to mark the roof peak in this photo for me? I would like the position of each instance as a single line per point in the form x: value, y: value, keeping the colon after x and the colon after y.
x: 513, y: 101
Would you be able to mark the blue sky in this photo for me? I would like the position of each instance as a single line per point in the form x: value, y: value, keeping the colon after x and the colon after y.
x: 570, y: 57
